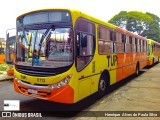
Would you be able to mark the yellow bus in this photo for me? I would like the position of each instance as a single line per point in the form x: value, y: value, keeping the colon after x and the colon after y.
x: 64, y: 55
x: 2, y: 50
x: 10, y: 53
x: 153, y: 52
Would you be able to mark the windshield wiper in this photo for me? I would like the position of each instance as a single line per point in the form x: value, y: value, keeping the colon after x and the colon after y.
x: 45, y: 36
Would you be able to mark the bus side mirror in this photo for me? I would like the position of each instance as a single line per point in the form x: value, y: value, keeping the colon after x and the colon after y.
x: 84, y: 41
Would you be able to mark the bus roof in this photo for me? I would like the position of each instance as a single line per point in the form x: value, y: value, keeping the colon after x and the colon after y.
x: 74, y: 11
x: 150, y: 40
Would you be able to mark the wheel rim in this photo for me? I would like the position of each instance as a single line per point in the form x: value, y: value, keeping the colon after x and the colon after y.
x: 102, y: 86
x: 137, y: 71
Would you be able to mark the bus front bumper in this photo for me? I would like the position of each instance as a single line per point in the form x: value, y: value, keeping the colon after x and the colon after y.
x: 61, y: 95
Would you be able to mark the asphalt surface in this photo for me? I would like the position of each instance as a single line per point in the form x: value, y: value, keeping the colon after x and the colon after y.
x: 140, y: 93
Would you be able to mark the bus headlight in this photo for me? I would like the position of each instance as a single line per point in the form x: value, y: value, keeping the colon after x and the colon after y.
x: 62, y: 83
x: 17, y: 80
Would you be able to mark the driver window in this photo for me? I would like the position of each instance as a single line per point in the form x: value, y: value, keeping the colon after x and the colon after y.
x: 85, y: 43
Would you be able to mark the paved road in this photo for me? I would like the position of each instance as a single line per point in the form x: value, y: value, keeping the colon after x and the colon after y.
x: 138, y: 94
x: 133, y: 94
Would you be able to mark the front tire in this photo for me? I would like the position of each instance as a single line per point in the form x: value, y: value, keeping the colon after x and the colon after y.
x: 102, y: 86
x: 153, y: 62
x: 137, y: 70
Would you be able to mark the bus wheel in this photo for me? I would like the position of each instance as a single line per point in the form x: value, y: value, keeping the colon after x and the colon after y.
x: 102, y: 86
x: 153, y: 61
x: 137, y: 70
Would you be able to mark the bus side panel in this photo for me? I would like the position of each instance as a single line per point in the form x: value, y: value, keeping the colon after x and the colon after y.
x: 84, y: 81
x: 112, y: 76
x: 119, y: 74
x: 127, y: 65
x: 143, y: 62
x: 84, y: 88
x: 129, y: 62
x: 112, y: 65
x: 94, y: 84
x: 120, y: 63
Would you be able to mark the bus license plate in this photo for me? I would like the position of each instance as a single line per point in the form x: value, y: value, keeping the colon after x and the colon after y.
x: 33, y: 91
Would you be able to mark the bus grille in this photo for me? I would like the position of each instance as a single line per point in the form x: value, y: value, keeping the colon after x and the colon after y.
x: 35, y: 73
x: 40, y: 93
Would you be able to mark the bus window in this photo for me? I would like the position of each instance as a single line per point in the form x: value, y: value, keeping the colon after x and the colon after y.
x: 136, y: 45
x: 85, y: 50
x: 140, y: 49
x: 84, y: 40
x: 129, y: 44
x: 111, y: 35
x: 153, y: 46
x: 143, y: 46
x: 106, y: 40
x: 113, y: 39
x: 133, y: 45
x: 124, y: 42
x: 149, y: 52
x: 85, y: 43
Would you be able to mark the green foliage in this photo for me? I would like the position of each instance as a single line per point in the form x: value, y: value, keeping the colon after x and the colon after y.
x: 145, y: 24
x: 154, y: 30
x: 120, y: 19
x: 138, y: 22
x: 3, y: 67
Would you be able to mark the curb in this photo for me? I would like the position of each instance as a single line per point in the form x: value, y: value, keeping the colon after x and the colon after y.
x: 3, y: 80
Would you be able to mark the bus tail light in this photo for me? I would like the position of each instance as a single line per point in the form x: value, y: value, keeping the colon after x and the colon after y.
x: 62, y: 83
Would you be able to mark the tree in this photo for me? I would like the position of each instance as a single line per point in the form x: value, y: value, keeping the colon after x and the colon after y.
x: 154, y: 30
x: 145, y: 24
x: 138, y: 22
x: 120, y: 19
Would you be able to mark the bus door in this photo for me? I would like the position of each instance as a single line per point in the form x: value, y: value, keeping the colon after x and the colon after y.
x: 85, y: 48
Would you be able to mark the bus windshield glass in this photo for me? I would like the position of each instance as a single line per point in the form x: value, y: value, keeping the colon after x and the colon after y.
x: 44, y: 17
x: 46, y: 48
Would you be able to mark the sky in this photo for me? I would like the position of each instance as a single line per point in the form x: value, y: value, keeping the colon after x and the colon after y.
x: 101, y: 9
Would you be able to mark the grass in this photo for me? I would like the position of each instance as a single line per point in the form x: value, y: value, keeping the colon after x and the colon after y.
x: 3, y: 67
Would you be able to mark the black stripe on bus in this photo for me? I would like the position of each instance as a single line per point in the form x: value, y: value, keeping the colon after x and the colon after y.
x: 89, y: 76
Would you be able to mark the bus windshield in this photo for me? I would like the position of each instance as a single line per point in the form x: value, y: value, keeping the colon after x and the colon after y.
x: 46, y: 48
